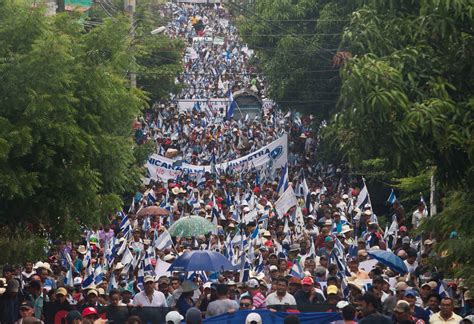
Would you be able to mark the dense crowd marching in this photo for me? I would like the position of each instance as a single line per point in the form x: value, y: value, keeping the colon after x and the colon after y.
x: 318, y: 253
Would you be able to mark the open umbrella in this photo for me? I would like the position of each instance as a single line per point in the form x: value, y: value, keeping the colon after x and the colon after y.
x: 153, y: 211
x: 189, y: 226
x: 390, y: 260
x: 201, y: 261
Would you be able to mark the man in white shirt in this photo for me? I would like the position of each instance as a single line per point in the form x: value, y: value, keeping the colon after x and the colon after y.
x: 150, y: 297
x: 411, y: 262
x: 418, y: 215
x: 280, y: 296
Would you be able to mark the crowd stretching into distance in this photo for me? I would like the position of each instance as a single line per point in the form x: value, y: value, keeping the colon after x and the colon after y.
x: 320, y: 255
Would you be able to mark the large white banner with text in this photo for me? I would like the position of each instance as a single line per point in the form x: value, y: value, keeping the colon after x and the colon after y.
x: 160, y: 167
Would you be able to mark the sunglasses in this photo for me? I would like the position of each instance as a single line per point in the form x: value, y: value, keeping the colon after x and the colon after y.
x: 244, y: 305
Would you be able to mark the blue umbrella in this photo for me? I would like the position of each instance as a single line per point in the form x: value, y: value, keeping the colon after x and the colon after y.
x: 201, y: 261
x: 389, y: 259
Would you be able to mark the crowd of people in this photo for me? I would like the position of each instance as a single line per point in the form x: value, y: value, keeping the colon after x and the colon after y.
x: 318, y: 255
x: 215, y: 61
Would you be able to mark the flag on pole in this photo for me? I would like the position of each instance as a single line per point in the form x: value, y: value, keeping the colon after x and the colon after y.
x: 422, y: 200
x: 232, y: 106
x: 163, y: 241
x: 363, y: 197
x: 296, y: 270
x: 392, y: 198
x: 284, y: 182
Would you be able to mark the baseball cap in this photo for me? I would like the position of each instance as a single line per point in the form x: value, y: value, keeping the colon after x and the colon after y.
x: 89, y: 311
x: 307, y: 281
x: 92, y: 291
x: 403, y: 229
x: 253, y: 283
x: 173, y: 318
x: 148, y: 279
x: 411, y: 292
x: 406, y: 240
x: 61, y: 291
x: 253, y: 318
x: 27, y: 304
x: 341, y: 304
x: 331, y: 289
x: 273, y: 268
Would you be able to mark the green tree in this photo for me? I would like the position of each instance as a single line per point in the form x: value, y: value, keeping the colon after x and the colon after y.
x: 66, y: 110
x: 156, y: 58
x: 407, y: 99
x: 296, y: 43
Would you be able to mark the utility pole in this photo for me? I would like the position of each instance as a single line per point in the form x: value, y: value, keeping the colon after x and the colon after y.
x: 129, y: 7
x: 433, y: 207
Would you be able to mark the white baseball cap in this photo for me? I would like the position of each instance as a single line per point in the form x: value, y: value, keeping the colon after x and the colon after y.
x: 253, y: 317
x: 253, y: 283
x: 174, y: 317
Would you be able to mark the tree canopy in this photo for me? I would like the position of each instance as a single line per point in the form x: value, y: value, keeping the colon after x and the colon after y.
x: 66, y: 110
x: 405, y: 100
x: 295, y: 42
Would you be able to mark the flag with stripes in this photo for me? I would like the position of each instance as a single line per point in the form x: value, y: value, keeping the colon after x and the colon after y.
x: 363, y: 197
x: 284, y: 180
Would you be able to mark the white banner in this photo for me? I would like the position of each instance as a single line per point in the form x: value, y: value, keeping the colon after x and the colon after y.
x: 285, y: 202
x: 212, y: 105
x: 160, y: 167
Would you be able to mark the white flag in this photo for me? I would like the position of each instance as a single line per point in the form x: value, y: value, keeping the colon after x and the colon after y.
x: 161, y: 268
x: 127, y: 257
x: 285, y: 202
x: 163, y: 241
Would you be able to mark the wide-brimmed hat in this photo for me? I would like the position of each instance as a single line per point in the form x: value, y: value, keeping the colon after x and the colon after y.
x: 188, y: 286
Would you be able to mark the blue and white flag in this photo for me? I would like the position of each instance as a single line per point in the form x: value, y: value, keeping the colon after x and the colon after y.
x: 392, y: 198
x: 284, y: 181
x: 363, y: 197
x: 232, y: 106
x: 89, y: 278
x: 88, y: 257
x: 127, y: 257
x: 151, y: 198
x: 296, y: 270
x: 112, y: 283
x: 164, y: 241
x: 442, y: 290
x: 140, y: 279
x: 146, y: 224
x: 68, y: 280
x: 98, y: 275
x: 147, y: 266
x: 254, y: 234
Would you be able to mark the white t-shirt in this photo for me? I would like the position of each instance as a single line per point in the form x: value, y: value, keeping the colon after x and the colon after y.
x: 416, y: 218
x: 274, y: 299
x: 158, y: 299
x: 411, y: 267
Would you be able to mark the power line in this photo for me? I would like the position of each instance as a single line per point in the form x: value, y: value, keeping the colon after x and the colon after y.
x: 239, y: 73
x: 299, y: 35
x: 276, y: 26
